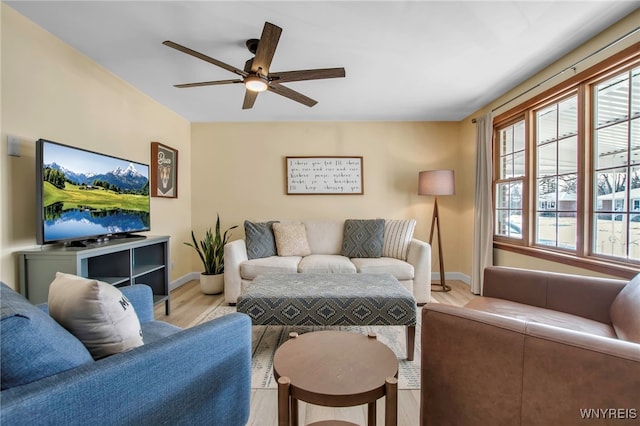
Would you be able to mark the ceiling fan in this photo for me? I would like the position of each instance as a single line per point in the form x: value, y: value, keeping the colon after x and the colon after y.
x: 256, y: 75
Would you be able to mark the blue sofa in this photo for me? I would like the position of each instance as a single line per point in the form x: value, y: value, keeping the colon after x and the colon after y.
x: 200, y: 375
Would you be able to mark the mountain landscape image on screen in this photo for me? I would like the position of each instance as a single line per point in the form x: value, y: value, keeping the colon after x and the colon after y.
x: 121, y: 180
x: 92, y: 202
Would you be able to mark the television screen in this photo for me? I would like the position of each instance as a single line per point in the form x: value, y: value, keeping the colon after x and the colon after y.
x: 83, y: 195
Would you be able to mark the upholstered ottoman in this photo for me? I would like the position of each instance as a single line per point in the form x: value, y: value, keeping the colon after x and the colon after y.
x: 330, y: 299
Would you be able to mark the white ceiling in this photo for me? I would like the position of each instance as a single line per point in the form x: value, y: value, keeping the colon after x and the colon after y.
x: 404, y: 60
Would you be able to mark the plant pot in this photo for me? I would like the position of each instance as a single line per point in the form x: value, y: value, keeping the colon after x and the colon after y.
x: 212, y: 284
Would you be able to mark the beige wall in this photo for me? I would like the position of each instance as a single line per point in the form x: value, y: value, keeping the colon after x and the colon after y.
x: 50, y: 90
x: 468, y: 138
x: 238, y: 169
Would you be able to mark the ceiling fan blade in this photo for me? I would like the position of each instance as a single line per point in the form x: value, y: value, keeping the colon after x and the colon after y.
x: 249, y: 99
x: 291, y: 94
x: 316, y: 74
x: 207, y: 83
x: 204, y: 57
x: 266, y: 48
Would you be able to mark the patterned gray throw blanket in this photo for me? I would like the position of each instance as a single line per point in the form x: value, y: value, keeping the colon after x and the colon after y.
x: 328, y: 299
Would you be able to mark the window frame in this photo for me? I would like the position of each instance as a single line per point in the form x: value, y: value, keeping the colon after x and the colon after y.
x: 496, y: 172
x: 581, y: 84
x: 559, y: 98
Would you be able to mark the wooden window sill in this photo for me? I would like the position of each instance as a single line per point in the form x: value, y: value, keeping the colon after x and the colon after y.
x: 609, y: 267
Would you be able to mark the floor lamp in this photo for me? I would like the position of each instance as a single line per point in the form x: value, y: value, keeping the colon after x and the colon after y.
x: 437, y: 182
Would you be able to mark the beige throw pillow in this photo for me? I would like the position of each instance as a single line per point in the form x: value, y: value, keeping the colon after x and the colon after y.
x: 397, y: 237
x: 97, y: 313
x: 291, y: 239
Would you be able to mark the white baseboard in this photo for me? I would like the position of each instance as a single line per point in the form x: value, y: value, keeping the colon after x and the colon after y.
x: 183, y: 280
x: 458, y: 276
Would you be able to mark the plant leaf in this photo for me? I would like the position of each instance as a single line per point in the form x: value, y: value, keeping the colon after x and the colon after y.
x: 211, y: 248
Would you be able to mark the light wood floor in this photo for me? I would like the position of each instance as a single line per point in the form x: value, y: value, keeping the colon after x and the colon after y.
x: 187, y: 303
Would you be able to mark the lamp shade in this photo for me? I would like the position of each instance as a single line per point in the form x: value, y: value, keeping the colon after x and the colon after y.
x: 436, y: 182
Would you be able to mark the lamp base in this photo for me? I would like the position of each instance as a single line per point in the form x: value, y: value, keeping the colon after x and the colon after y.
x: 435, y: 225
x: 440, y: 287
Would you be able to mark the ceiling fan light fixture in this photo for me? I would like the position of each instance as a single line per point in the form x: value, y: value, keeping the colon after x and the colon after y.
x: 256, y: 83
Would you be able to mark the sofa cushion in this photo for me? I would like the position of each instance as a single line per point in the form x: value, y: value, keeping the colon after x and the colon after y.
x: 157, y: 330
x: 259, y: 239
x: 326, y: 264
x: 400, y: 269
x: 397, y: 237
x: 625, y: 311
x: 291, y: 239
x: 97, y: 313
x: 249, y: 269
x: 32, y: 345
x: 363, y: 238
x: 325, y: 236
x: 550, y: 317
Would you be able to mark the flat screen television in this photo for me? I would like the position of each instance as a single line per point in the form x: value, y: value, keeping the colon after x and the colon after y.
x: 83, y: 196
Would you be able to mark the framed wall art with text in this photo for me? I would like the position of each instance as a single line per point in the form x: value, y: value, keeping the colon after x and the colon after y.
x: 325, y: 175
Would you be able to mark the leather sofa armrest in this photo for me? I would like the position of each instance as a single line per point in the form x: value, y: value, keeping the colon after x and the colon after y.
x: 568, y: 374
x: 472, y: 369
x: 419, y: 256
x: 462, y: 313
x: 482, y: 368
x: 235, y: 252
x: 588, y: 297
x: 591, y: 342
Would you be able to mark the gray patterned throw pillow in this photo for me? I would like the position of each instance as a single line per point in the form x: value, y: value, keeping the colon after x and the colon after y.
x: 363, y: 238
x: 259, y: 239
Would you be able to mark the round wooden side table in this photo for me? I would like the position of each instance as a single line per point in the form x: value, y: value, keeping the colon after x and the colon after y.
x: 335, y: 369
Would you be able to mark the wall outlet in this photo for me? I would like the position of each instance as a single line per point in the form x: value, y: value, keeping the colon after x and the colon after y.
x: 13, y: 146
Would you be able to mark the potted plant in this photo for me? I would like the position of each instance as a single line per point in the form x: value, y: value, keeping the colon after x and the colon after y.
x: 211, y: 252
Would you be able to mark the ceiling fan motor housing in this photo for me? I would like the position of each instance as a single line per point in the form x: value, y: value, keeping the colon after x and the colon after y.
x: 252, y: 45
x: 248, y: 65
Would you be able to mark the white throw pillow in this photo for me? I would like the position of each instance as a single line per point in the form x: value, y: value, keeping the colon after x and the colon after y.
x: 291, y: 239
x: 97, y: 313
x: 397, y: 236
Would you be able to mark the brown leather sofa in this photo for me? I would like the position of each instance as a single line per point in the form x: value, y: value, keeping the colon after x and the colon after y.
x: 538, y: 348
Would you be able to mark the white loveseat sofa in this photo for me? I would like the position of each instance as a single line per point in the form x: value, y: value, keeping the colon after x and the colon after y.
x: 411, y: 266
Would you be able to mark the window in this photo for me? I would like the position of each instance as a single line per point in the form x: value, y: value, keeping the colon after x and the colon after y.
x: 616, y: 174
x: 567, y: 168
x: 510, y: 183
x: 556, y: 184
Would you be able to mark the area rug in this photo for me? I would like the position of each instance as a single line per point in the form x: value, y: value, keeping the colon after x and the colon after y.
x: 267, y: 338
